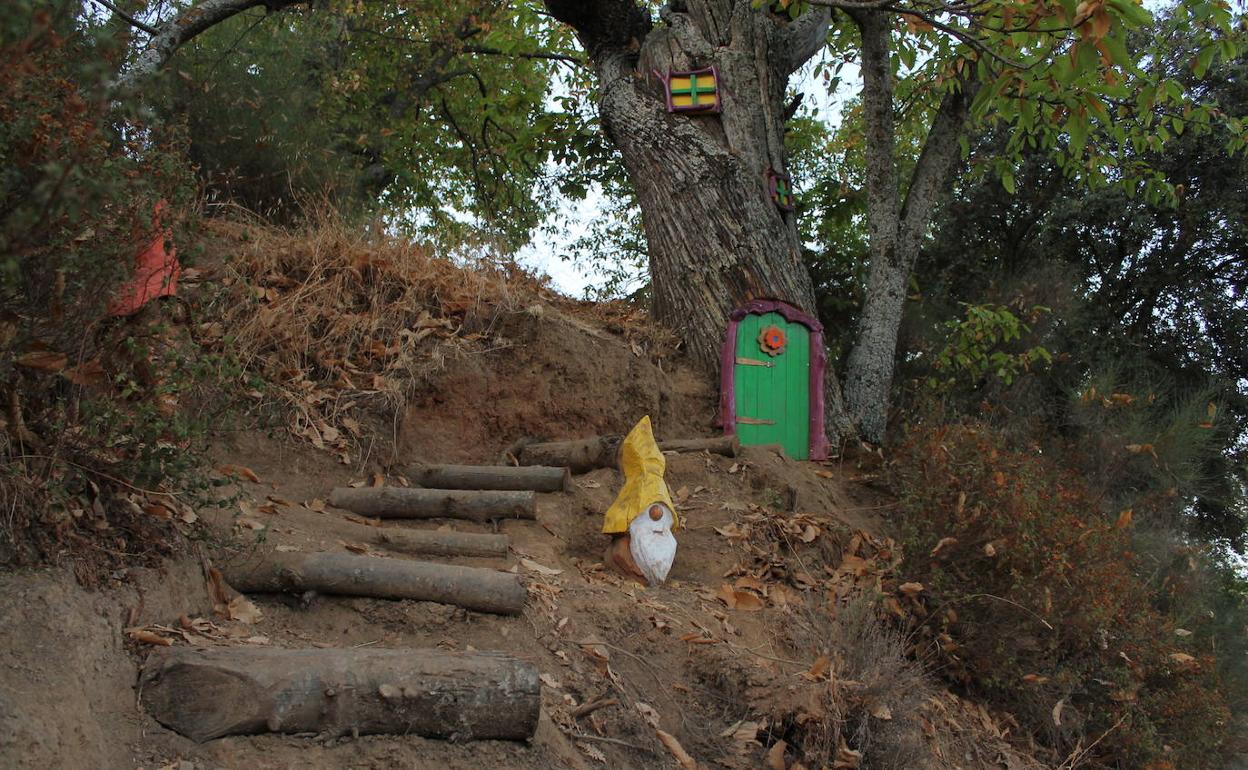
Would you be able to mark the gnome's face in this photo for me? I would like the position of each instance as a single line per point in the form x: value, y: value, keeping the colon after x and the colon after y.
x: 652, y: 544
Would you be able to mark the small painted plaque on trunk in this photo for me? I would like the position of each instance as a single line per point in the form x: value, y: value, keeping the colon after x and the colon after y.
x: 693, y: 91
x: 780, y: 189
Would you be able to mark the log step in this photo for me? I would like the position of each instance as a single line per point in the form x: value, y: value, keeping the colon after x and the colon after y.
x: 438, y: 542
x: 538, y: 478
x: 209, y: 693
x: 405, y: 503
x: 343, y: 574
x: 600, y: 451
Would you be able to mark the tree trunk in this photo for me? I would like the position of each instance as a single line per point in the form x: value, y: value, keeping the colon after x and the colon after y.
x: 209, y: 693
x: 714, y: 236
x: 474, y: 588
x: 405, y: 503
x: 895, y: 230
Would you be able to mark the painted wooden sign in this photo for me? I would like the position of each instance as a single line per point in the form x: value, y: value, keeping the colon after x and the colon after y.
x: 772, y: 379
x: 695, y: 91
x: 780, y: 189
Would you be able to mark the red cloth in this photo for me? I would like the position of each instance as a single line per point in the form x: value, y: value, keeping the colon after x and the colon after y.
x: 156, y: 271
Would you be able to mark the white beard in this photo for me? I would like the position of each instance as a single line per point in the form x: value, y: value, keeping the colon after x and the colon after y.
x: 652, y: 544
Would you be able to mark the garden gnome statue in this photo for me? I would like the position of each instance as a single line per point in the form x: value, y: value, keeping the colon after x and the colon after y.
x: 642, y: 518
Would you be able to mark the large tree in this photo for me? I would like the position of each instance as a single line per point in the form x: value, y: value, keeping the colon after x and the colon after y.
x: 715, y: 238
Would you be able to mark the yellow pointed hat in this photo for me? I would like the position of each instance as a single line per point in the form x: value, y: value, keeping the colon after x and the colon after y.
x: 643, y: 466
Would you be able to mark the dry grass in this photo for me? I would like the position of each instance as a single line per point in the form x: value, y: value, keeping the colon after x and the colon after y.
x: 336, y: 318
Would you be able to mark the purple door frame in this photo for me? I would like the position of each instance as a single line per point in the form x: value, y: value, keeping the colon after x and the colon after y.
x: 728, y: 369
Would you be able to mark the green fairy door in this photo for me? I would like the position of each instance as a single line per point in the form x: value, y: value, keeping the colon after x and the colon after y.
x: 773, y: 391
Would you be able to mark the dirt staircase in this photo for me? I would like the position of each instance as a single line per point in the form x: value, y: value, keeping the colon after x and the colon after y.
x: 323, y: 694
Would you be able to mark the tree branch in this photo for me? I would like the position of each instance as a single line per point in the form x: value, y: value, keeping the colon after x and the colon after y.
x: 169, y: 36
x: 929, y: 180
x: 127, y: 17
x: 487, y: 51
x: 805, y: 36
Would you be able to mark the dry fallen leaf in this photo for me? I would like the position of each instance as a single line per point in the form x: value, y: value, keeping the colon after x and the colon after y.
x: 87, y: 373
x: 592, y: 752
x: 775, y: 756
x: 855, y: 565
x: 678, y: 751
x: 159, y: 510
x: 1057, y: 712
x: 43, y: 360
x: 551, y: 682
x: 239, y: 470
x: 1035, y: 679
x: 881, y: 711
x: 243, y: 610
x: 648, y: 713
x: 315, y: 504
x: 847, y: 758
x: 819, y: 669
x: 541, y: 569
x: 943, y: 543
x: 148, y: 637
x: 747, y: 602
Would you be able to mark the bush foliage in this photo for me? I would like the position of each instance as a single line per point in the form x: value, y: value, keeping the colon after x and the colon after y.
x: 1040, y: 603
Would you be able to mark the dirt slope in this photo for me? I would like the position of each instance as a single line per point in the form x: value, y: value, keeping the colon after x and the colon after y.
x: 757, y: 653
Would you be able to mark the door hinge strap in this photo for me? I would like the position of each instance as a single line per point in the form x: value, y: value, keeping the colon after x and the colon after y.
x: 754, y: 421
x: 754, y: 362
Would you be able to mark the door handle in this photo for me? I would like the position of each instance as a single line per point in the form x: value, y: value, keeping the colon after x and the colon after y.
x: 754, y: 421
x: 754, y: 362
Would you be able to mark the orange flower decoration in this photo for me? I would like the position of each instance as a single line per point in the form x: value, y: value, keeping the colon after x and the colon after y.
x: 772, y: 340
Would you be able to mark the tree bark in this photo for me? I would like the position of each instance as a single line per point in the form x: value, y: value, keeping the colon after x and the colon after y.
x: 715, y: 238
x: 404, y: 503
x: 895, y: 230
x: 439, y: 543
x: 474, y: 588
x: 587, y: 454
x: 506, y: 477
x: 209, y: 693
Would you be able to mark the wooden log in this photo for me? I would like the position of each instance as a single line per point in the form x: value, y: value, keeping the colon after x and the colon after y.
x: 474, y: 588
x: 405, y: 503
x: 728, y: 446
x: 538, y: 478
x: 577, y: 456
x: 587, y: 454
x: 209, y: 693
x: 440, y: 543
